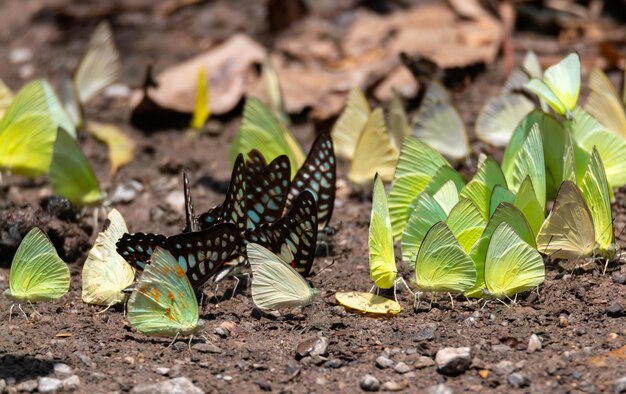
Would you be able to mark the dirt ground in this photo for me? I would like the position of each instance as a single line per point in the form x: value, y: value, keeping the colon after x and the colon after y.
x: 579, y: 316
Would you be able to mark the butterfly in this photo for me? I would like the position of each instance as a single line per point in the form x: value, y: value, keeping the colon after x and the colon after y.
x: 360, y: 135
x: 71, y: 175
x: 28, y: 130
x: 274, y: 92
x: 479, y: 190
x: 438, y: 124
x: 398, y: 122
x: 558, y: 149
x: 511, y: 264
x: 368, y: 304
x: 202, y: 109
x: 37, y: 272
x: 164, y: 303
x: 275, y: 284
x: 560, y: 85
x: 297, y: 229
x: 605, y: 104
x: 261, y: 130
x: 441, y: 264
x: 590, y: 133
x: 99, y: 67
x: 318, y: 175
x: 417, y: 165
x: 6, y: 97
x: 466, y: 223
x: 105, y: 273
x: 581, y: 222
x: 504, y: 213
x: 501, y: 114
x: 382, y: 261
x: 200, y: 254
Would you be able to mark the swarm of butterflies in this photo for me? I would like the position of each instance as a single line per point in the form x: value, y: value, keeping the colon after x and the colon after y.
x: 485, y: 238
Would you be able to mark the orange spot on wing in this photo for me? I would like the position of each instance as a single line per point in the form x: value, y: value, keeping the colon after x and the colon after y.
x: 179, y: 272
x: 171, y: 296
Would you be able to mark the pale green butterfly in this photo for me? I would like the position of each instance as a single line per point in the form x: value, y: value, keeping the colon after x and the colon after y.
x: 350, y: 124
x: 164, y: 303
x: 426, y: 213
x: 560, y: 85
x: 479, y: 189
x: 417, y: 165
x: 506, y: 213
x: 105, y: 273
x: 466, y: 223
x: 605, y: 104
x: 71, y: 175
x: 262, y: 131
x: 438, y: 124
x: 442, y: 265
x: 37, y: 272
x: 382, y: 260
x: 275, y: 284
x: 511, y: 265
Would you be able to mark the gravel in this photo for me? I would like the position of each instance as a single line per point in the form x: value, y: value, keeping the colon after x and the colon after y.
x: 369, y: 383
x: 453, y: 361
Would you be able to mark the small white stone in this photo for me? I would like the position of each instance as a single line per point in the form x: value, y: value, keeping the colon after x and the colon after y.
x: 20, y: 55
x: 49, y: 385
x: 453, y: 361
x: 534, y: 344
x: 62, y: 369
x: 71, y: 383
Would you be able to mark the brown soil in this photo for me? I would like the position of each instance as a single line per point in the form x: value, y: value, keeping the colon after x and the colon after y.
x: 571, y: 315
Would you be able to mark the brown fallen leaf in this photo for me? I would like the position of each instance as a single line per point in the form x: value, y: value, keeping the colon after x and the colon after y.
x: 230, y: 70
x: 603, y: 360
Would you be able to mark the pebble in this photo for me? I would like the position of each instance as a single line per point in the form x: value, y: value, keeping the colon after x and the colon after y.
x: 453, y: 361
x: 369, y: 383
x: 62, y: 369
x: 534, y: 344
x: 117, y: 90
x: 392, y: 385
x: 504, y: 367
x: 49, y: 385
x: 221, y: 332
x: 618, y: 278
x: 423, y: 362
x: 126, y: 192
x: 27, y: 386
x: 501, y: 348
x: 320, y: 348
x: 439, y: 389
x: 402, y: 368
x: 312, y: 347
x: 71, y: 383
x: 425, y: 332
x: 615, y: 310
x: 162, y: 371
x: 176, y: 385
x: 620, y: 385
x: 207, y: 348
x: 518, y: 380
x: 383, y: 362
x: 20, y: 55
x: 333, y: 363
x: 175, y: 371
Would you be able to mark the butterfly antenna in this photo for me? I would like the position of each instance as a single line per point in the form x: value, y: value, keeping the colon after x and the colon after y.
x: 322, y: 270
x: 107, y: 308
x: 548, y: 245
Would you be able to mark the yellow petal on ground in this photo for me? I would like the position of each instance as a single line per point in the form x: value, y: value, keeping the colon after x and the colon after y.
x: 368, y: 304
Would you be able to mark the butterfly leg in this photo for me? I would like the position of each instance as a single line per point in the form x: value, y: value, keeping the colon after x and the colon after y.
x: 484, y: 305
x: 11, y: 310
x: 451, y: 299
x: 401, y: 280
x: 417, y: 300
x: 173, y: 340
x: 431, y: 301
x: 537, y: 289
x: 106, y: 309
x: 372, y: 289
x: 189, y: 344
x: 34, y: 310
x: 19, y: 306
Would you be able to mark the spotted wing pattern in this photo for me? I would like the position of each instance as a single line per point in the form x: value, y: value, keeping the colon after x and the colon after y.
x: 298, y: 229
x: 267, y: 186
x: 317, y: 175
x: 190, y: 216
x: 137, y: 248
x: 233, y: 210
x: 202, y: 254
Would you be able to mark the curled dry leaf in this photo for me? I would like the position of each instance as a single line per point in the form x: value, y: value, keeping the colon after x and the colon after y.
x: 230, y: 70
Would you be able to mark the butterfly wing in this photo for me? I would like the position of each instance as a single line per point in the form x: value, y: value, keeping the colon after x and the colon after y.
x: 426, y: 213
x: 398, y: 124
x: 511, y: 266
x: 164, y: 303
x: 596, y: 192
x: 121, y: 147
x: 526, y: 202
x: 274, y: 283
x: 100, y: 66
x: 105, y: 272
x: 267, y: 186
x: 137, y: 248
x: 318, y: 175
x: 466, y: 223
x: 568, y: 232
x: 479, y: 189
x: 383, y: 268
x: 438, y: 124
x: 560, y: 86
x: 441, y: 264
x: 604, y: 103
x: 350, y: 124
x: 201, y: 110
x: 71, y: 175
x: 37, y: 273
x: 201, y: 254
x: 499, y: 117
x: 374, y: 152
x: 26, y: 145
x: 190, y: 215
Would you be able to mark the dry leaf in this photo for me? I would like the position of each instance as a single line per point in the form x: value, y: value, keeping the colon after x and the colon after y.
x: 610, y: 357
x: 229, y: 67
